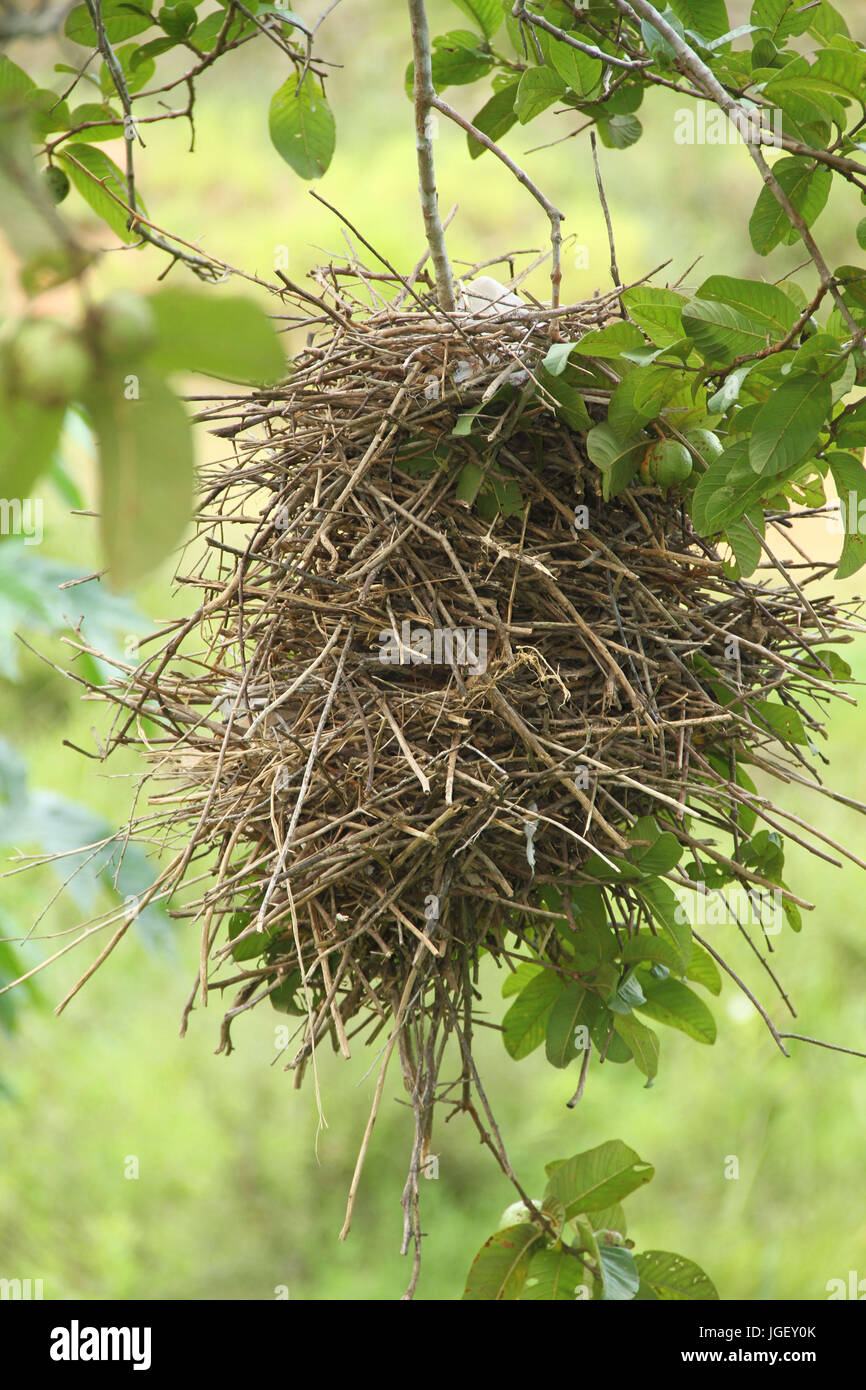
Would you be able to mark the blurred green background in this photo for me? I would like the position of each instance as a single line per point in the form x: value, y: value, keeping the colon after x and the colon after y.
x: 239, y: 1192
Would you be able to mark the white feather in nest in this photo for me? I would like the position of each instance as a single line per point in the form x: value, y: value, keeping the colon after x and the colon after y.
x: 484, y: 297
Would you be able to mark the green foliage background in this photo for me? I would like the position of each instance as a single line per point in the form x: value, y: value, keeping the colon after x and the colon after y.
x: 237, y: 1193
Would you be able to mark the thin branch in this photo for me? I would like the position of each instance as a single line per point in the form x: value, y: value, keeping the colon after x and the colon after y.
x: 553, y: 213
x: 776, y: 1035
x: 614, y: 269
x: 816, y: 1042
x: 425, y: 98
x: 702, y: 76
x: 520, y: 12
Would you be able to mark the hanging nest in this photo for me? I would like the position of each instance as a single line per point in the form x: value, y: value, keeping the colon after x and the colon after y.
x: 435, y: 681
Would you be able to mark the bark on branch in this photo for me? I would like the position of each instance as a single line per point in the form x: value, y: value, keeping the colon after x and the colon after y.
x: 425, y: 97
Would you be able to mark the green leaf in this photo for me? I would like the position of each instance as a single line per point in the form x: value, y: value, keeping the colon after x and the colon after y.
x: 640, y: 397
x: 568, y: 401
x: 468, y: 483
x: 556, y: 358
x: 495, y: 118
x: 524, y: 1025
x: 598, y: 1177
x: 284, y: 997
x: 301, y: 126
x: 156, y: 47
x: 619, y: 1272
x: 617, y: 459
x: 662, y: 855
x: 782, y: 719
x: 852, y: 280
x: 850, y: 428
x: 745, y: 543
x: 720, y: 332
x: 849, y: 476
x: 553, y: 1277
x: 519, y: 978
x: 582, y: 73
x: 808, y: 189
x: 121, y: 21
x: 228, y: 337
x: 28, y: 219
x: 726, y: 491
x: 137, y: 70
x: 728, y: 393
x: 538, y: 89
x: 146, y: 474
x: 500, y: 1268
x: 787, y: 426
x: 709, y: 18
x: 702, y: 969
x: 642, y: 1041
x: 458, y: 58
x: 673, y: 1003
x: 657, y: 312
x: 96, y: 177
x: 563, y: 1019
x: 674, y: 1277
x: 730, y: 317
x: 609, y: 342
x: 178, y: 21
x: 619, y: 131
x: 655, y: 949
x: 29, y: 435
x: 665, y: 907
x: 487, y: 14
x: 14, y: 83
x: 109, y: 128
x: 783, y: 18
x: 610, y: 1218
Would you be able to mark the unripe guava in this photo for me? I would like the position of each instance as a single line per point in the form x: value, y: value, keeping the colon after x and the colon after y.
x: 47, y: 362
x: 705, y: 443
x: 668, y: 463
x: 125, y: 326
x: 56, y: 183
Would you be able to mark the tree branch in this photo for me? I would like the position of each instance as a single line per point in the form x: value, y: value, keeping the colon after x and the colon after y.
x: 688, y: 62
x: 553, y: 213
x: 425, y: 99
x: 520, y: 12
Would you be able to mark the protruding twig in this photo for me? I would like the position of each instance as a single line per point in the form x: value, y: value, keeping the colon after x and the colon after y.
x: 425, y: 98
x: 553, y: 213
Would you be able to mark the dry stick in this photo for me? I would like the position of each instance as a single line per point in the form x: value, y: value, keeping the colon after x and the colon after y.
x: 614, y: 269
x: 121, y: 932
x: 425, y: 97
x: 555, y: 217
x: 380, y: 1083
x: 748, y: 993
x: 816, y: 1042
x: 308, y: 1002
x: 305, y: 781
x: 689, y: 62
x: 420, y: 264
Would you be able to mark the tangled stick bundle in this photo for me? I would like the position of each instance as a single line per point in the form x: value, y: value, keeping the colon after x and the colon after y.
x: 434, y: 676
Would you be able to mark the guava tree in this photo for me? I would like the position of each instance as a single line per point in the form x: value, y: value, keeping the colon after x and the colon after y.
x: 737, y: 402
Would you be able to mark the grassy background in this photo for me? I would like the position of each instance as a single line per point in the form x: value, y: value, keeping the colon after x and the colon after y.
x: 239, y: 1189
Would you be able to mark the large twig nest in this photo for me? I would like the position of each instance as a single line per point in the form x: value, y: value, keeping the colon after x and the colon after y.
x: 434, y: 676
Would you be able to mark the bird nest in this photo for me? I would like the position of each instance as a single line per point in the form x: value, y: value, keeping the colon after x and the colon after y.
x: 435, y: 682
